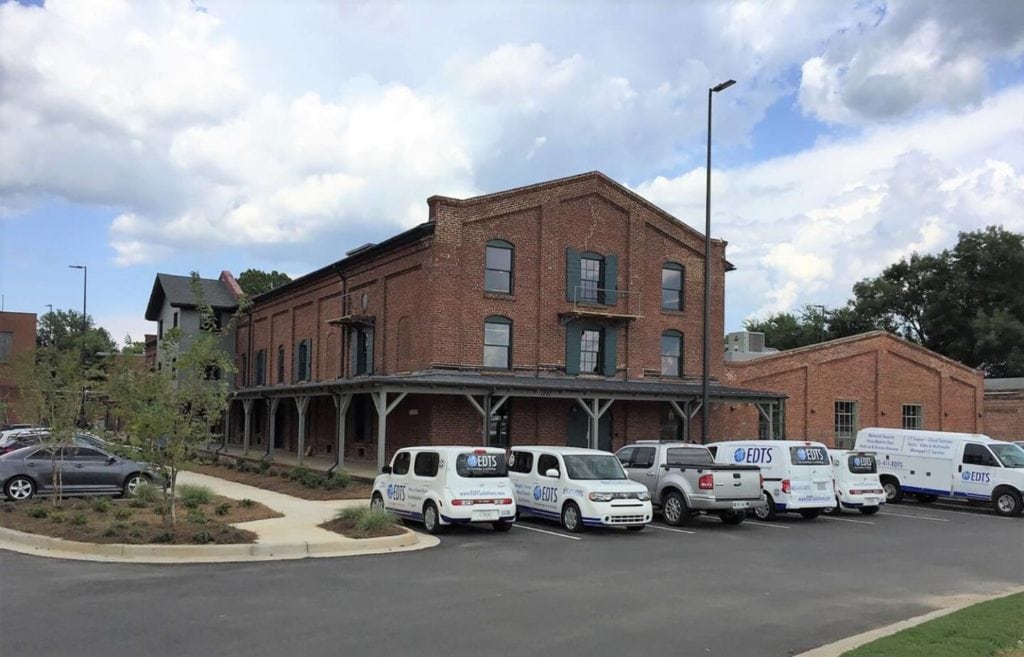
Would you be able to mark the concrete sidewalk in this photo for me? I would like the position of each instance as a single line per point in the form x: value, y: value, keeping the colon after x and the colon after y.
x: 294, y: 536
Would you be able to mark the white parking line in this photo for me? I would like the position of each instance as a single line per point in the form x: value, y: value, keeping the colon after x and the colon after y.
x: 766, y: 524
x: 907, y: 515
x: 671, y: 529
x: 544, y: 531
x: 859, y: 522
x: 977, y: 514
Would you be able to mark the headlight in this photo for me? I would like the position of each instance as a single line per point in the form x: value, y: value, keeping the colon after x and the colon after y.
x: 644, y: 496
x: 601, y: 497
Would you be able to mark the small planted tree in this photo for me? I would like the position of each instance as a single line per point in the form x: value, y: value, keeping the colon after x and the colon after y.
x: 173, y: 411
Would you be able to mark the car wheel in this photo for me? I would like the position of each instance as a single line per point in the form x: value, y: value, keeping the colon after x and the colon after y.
x: 131, y: 484
x: 869, y: 510
x: 810, y: 514
x: 731, y: 517
x: 893, y: 492
x: 502, y: 526
x: 20, y: 488
x: 1007, y: 502
x: 766, y: 512
x: 572, y: 520
x: 635, y: 528
x: 431, y: 519
x: 377, y: 502
x: 674, y: 509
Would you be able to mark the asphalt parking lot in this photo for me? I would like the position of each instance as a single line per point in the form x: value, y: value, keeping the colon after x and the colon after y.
x: 756, y: 589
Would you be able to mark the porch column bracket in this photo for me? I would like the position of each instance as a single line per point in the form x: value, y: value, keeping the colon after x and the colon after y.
x: 476, y: 405
x: 497, y: 405
x: 696, y: 409
x: 380, y: 402
x: 341, y: 403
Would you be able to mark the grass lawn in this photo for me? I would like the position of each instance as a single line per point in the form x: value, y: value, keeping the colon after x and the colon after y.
x: 135, y: 521
x: 276, y: 479
x: 987, y: 629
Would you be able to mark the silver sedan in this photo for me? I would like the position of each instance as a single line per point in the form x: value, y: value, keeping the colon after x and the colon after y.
x: 84, y: 471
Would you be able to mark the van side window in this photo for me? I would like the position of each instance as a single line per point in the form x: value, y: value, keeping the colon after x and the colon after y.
x: 975, y: 454
x: 521, y: 462
x: 625, y: 455
x: 426, y: 464
x: 643, y: 458
x: 547, y: 462
x: 401, y: 464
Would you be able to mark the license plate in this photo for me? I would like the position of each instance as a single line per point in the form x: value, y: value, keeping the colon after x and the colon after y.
x: 740, y: 505
x: 485, y: 515
x: 871, y: 501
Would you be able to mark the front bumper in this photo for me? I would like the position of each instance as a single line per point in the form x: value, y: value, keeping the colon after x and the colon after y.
x: 617, y: 514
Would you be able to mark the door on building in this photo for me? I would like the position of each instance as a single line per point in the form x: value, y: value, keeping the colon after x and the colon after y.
x: 281, y: 425
x: 578, y: 429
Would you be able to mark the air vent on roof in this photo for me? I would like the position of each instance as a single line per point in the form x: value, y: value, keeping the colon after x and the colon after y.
x: 745, y: 342
x: 360, y: 249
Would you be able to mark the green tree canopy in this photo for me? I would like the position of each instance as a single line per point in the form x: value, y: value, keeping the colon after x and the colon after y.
x: 257, y: 281
x: 66, y: 331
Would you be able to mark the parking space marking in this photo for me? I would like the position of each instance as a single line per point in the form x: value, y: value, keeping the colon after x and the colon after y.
x: 976, y: 514
x: 766, y: 524
x: 671, y: 529
x: 906, y: 515
x: 545, y: 531
x: 859, y: 522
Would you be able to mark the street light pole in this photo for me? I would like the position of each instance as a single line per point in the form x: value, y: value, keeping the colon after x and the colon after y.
x: 705, y: 406
x: 85, y: 290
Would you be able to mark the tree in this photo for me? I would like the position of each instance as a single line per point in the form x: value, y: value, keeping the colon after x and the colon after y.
x: 788, y: 331
x: 170, y: 415
x: 257, y: 281
x: 65, y: 330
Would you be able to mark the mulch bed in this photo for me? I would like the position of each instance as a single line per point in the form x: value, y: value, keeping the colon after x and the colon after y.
x: 103, y: 520
x: 348, y: 528
x: 279, y: 484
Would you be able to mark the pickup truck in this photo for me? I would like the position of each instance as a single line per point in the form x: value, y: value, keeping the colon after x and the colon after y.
x: 684, y: 481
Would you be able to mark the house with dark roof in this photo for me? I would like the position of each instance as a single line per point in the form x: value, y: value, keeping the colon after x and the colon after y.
x: 173, y: 303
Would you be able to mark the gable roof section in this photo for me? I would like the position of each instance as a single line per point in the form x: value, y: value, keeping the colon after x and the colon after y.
x: 177, y: 290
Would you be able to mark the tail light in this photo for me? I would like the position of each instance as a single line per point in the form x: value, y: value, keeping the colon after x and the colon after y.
x: 706, y: 482
x: 785, y: 485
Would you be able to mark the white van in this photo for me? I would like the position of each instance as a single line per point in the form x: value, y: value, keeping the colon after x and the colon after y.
x: 577, y: 487
x: 797, y: 474
x: 446, y: 486
x: 934, y: 464
x: 857, y: 486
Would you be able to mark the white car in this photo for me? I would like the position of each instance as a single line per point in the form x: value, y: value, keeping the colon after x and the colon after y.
x: 797, y: 474
x: 442, y: 485
x: 577, y: 487
x: 857, y: 485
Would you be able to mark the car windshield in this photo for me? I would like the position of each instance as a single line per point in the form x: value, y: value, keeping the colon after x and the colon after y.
x: 476, y: 465
x: 593, y: 466
x: 1010, y: 455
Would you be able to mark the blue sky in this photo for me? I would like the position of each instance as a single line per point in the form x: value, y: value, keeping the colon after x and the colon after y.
x: 165, y: 136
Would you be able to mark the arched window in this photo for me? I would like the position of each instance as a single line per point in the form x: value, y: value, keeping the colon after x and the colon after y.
x: 672, y: 277
x: 591, y: 276
x: 498, y: 342
x: 498, y: 267
x: 671, y: 353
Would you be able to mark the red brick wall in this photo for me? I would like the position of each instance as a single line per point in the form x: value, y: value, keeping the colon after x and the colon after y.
x: 23, y: 340
x: 1004, y: 416
x: 878, y: 371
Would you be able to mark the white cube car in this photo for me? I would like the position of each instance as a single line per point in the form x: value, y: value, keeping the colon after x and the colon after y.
x: 577, y: 487
x: 442, y: 486
x: 857, y: 485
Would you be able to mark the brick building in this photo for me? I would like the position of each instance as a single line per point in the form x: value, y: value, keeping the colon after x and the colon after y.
x: 835, y: 388
x: 1004, y: 408
x: 563, y: 312
x: 17, y: 336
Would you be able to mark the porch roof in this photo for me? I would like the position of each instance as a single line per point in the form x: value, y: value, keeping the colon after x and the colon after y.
x: 440, y: 382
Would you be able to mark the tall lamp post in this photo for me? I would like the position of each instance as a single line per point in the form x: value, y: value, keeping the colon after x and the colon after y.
x: 85, y: 290
x: 705, y: 406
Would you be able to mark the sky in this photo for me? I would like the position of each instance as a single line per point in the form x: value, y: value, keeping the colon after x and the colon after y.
x: 177, y: 136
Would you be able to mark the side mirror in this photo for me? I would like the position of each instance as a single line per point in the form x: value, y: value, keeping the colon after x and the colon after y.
x: 551, y: 472
x: 386, y: 469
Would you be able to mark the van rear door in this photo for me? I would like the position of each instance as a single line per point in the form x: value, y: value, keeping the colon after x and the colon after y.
x: 811, y: 475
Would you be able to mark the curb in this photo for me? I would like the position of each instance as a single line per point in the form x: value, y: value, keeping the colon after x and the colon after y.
x: 838, y: 648
x: 46, y: 546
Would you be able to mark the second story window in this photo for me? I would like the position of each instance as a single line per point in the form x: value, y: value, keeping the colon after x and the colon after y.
x: 590, y: 351
x: 671, y: 353
x: 498, y: 267
x: 590, y: 278
x: 261, y: 367
x: 243, y: 371
x: 498, y: 343
x: 304, y: 361
x: 590, y: 348
x: 175, y: 320
x: 280, y: 363
x: 362, y: 350
x: 672, y: 286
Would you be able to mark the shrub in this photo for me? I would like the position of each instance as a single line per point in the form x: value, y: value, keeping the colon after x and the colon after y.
x: 79, y: 519
x: 374, y: 520
x: 196, y: 517
x: 56, y: 517
x: 110, y: 531
x: 263, y: 467
x: 223, y: 509
x: 350, y: 514
x: 101, y: 505
x: 193, y: 496
x: 136, y: 534
x: 246, y: 503
x: 123, y: 514
x: 337, y: 480
x: 138, y: 503
x: 203, y: 537
x: 162, y: 537
x: 38, y: 511
x: 146, y: 493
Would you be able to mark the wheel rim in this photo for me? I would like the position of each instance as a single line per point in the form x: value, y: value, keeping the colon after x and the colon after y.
x: 761, y: 512
x: 1006, y: 503
x: 377, y: 503
x: 673, y: 510
x: 133, y: 485
x: 571, y: 517
x: 890, y: 491
x: 430, y: 518
x: 20, y: 489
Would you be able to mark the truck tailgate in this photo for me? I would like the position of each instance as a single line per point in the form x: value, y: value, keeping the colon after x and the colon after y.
x: 738, y: 484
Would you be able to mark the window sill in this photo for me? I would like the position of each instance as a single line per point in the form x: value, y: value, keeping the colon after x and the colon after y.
x: 669, y: 311
x: 499, y: 295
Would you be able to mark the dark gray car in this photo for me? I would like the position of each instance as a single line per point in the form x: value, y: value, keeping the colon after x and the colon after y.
x: 84, y: 471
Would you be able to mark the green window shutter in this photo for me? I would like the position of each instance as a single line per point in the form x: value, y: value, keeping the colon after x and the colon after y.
x: 297, y: 363
x: 572, y: 275
x: 309, y: 360
x: 572, y: 348
x: 611, y: 336
x: 611, y: 273
x: 369, y: 351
